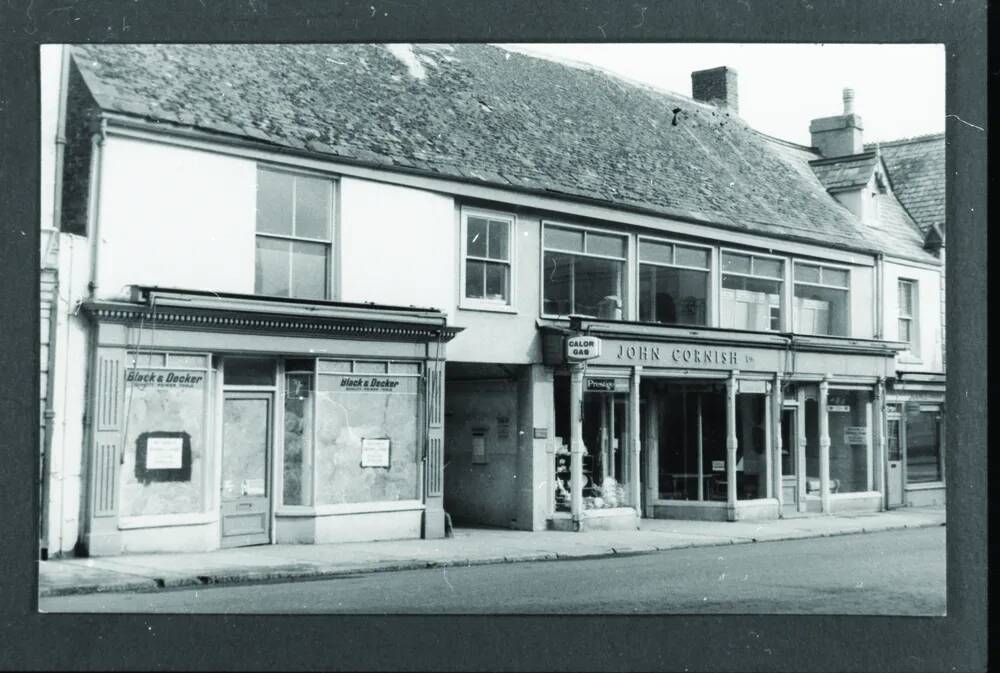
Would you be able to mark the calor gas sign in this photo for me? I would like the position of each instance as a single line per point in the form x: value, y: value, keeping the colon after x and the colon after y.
x: 583, y: 347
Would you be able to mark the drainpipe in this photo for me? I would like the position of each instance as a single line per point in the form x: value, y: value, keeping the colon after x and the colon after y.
x: 49, y: 413
x: 93, y: 215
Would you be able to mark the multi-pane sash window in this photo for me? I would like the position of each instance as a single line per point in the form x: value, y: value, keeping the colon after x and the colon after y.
x: 907, y: 313
x: 488, y: 257
x: 584, y: 272
x: 821, y: 299
x: 673, y: 283
x: 294, y: 235
x: 751, y: 291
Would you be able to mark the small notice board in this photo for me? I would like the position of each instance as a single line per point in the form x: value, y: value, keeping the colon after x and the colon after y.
x: 375, y: 451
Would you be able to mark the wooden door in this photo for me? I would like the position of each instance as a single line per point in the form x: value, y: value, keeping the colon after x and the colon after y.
x: 246, y: 458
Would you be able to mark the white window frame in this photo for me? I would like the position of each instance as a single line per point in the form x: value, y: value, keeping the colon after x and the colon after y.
x: 629, y: 260
x: 913, y: 317
x: 805, y: 262
x: 332, y: 266
x: 477, y: 303
x: 710, y: 299
x: 785, y: 313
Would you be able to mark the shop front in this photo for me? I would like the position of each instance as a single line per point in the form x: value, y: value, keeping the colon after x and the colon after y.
x: 229, y: 420
x: 663, y: 422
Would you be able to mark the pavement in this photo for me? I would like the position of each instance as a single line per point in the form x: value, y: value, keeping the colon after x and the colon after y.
x: 469, y: 546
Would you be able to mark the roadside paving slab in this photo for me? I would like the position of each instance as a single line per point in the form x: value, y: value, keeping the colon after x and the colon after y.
x: 469, y: 546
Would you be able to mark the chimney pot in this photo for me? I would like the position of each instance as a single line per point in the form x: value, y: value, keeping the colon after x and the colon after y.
x: 718, y: 86
x: 848, y: 101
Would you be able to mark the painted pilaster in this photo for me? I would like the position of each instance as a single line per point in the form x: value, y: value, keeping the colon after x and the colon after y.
x: 434, y: 453
x: 652, y: 449
x: 106, y: 413
x: 879, y: 429
x: 777, y: 401
x: 731, y: 443
x: 536, y: 448
x: 635, y: 479
x: 824, y: 446
x: 576, y: 449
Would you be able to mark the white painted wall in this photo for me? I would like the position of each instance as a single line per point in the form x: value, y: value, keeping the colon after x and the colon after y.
x: 928, y: 314
x: 174, y: 217
x: 65, y: 491
x: 397, y: 245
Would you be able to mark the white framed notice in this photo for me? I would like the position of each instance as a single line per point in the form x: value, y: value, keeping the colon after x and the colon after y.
x: 164, y: 453
x: 375, y: 451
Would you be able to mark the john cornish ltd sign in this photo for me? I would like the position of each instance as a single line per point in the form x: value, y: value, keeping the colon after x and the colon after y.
x: 681, y: 355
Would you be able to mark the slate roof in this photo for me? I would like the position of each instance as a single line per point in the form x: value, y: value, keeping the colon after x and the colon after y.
x: 917, y: 174
x: 845, y: 173
x: 483, y: 114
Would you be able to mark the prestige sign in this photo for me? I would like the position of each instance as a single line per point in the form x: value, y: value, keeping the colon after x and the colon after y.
x: 583, y: 348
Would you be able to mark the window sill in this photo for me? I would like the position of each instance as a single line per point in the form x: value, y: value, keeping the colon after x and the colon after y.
x: 349, y: 508
x: 166, y: 520
x: 486, y: 306
x: 924, y: 486
x: 909, y: 360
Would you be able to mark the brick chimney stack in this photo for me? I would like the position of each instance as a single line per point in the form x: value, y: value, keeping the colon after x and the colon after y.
x: 841, y: 135
x: 717, y: 86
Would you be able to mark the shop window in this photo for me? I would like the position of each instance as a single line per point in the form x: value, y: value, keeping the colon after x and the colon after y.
x: 691, y: 419
x: 751, y: 292
x: 907, y: 319
x: 923, y: 443
x: 299, y: 414
x: 821, y: 300
x: 166, y: 411
x: 487, y: 247
x: 751, y: 446
x: 366, y: 446
x: 584, y: 273
x: 673, y: 283
x: 294, y: 235
x: 849, y: 414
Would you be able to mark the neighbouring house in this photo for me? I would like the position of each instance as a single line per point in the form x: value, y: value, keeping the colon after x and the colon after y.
x: 320, y: 293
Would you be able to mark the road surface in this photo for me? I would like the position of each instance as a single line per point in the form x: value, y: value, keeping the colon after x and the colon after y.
x: 894, y: 572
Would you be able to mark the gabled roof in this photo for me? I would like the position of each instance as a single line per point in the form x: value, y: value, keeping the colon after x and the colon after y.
x: 483, y: 114
x: 843, y: 173
x: 917, y: 173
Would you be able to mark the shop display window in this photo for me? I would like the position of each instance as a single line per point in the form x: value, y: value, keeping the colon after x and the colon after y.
x: 584, y: 273
x: 673, y: 283
x: 607, y: 458
x: 367, y: 434
x: 751, y: 446
x: 849, y: 415
x: 299, y: 413
x: 691, y: 417
x: 164, y: 462
x: 821, y: 300
x: 751, y: 292
x: 923, y: 443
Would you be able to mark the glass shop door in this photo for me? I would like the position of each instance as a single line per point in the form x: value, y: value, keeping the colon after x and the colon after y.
x: 894, y: 463
x: 245, y: 500
x: 789, y: 459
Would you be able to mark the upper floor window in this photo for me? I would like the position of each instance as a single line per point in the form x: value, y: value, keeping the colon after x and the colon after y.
x: 751, y: 291
x: 673, y: 283
x: 583, y: 272
x: 487, y: 271
x: 821, y: 299
x: 907, y: 304
x: 294, y: 235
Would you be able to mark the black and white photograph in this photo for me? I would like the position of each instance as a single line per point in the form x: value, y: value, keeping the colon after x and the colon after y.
x: 491, y: 335
x: 493, y: 328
